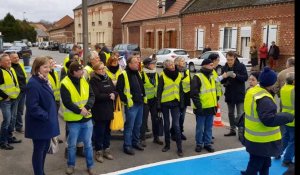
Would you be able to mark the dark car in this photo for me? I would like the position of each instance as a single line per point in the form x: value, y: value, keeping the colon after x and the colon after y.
x: 53, y: 46
x: 62, y: 48
x: 126, y: 50
x: 21, y: 50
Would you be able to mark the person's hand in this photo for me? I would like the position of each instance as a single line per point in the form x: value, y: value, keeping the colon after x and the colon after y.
x: 224, y: 75
x: 233, y: 75
x: 7, y: 99
x: 84, y: 112
x: 112, y: 96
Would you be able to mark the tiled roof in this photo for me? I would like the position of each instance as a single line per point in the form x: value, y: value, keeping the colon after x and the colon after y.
x: 63, y: 22
x: 94, y: 2
x: 38, y: 26
x: 41, y: 33
x: 147, y: 9
x: 202, y: 6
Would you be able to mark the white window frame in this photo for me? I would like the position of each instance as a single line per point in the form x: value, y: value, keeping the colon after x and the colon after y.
x: 270, y: 34
x: 199, y: 39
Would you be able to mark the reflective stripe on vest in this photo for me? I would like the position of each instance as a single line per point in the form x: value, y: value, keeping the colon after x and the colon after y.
x: 218, y: 84
x: 150, y: 89
x: 207, y: 95
x: 65, y: 62
x: 171, y: 88
x: 287, y: 98
x: 113, y: 77
x: 186, y: 82
x: 127, y: 90
x: 9, y: 87
x: 79, y: 99
x: 89, y: 70
x: 107, y: 56
x: 24, y: 72
x: 255, y: 130
x: 55, y: 86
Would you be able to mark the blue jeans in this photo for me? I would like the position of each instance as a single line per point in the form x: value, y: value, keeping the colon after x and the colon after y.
x: 181, y: 121
x: 132, y: 126
x: 9, y: 109
x: 289, y: 144
x: 204, y: 129
x: 175, y: 113
x: 20, y: 110
x: 84, y: 132
x: 40, y: 149
x: 102, y: 134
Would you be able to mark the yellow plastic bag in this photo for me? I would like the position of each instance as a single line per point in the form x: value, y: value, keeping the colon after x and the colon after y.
x: 118, y: 122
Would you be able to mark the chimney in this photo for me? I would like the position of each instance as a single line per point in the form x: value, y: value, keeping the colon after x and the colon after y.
x: 161, y: 7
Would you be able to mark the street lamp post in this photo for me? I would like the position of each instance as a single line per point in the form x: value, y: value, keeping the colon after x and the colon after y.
x: 85, y: 30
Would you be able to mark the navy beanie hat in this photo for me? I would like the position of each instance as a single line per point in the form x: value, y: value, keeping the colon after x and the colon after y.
x: 267, y: 77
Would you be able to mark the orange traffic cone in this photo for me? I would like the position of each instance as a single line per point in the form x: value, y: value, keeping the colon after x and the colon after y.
x: 217, y: 119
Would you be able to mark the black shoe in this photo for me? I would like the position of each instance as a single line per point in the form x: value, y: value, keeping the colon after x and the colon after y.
x: 143, y: 143
x: 198, y: 148
x: 166, y: 148
x: 60, y: 140
x: 243, y: 172
x: 148, y: 130
x: 179, y: 153
x: 209, y: 148
x: 6, y: 146
x: 173, y: 137
x: 20, y: 130
x: 128, y: 151
x: 183, y: 137
x: 212, y: 137
x: 287, y: 163
x: 14, y: 140
x: 157, y: 141
x: 231, y: 133
x: 138, y: 146
x: 80, y: 152
x: 212, y: 142
x: 277, y: 157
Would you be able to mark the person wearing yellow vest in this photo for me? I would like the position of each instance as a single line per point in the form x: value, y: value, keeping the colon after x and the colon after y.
x: 150, y: 80
x: 54, y: 81
x: 180, y: 65
x: 131, y: 90
x: 22, y: 79
x: 76, y: 113
x: 92, y: 60
x: 113, y: 68
x: 287, y: 97
x: 262, y: 132
x: 73, y: 56
x: 103, y: 52
x: 204, y: 96
x: 9, y: 91
x: 170, y: 99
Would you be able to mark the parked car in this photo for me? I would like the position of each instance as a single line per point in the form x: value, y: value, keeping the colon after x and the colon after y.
x: 195, y: 63
x: 19, y: 49
x: 44, y: 45
x: 6, y: 46
x: 62, y: 48
x: 127, y: 49
x: 169, y: 53
x: 53, y: 46
x: 69, y: 47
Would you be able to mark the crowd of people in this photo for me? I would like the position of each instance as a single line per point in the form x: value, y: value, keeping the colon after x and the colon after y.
x: 87, y: 96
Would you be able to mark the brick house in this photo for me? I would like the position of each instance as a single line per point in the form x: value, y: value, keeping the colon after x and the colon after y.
x: 236, y: 24
x: 62, y: 30
x: 153, y: 24
x: 104, y: 24
x: 41, y: 32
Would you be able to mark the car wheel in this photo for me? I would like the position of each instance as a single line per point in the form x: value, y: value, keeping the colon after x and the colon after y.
x: 192, y: 67
x: 219, y: 69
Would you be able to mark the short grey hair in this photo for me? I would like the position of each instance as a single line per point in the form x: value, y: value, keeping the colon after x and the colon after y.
x: 2, y: 56
x: 291, y: 61
x: 167, y: 62
x: 92, y: 55
x: 290, y: 78
x: 178, y: 59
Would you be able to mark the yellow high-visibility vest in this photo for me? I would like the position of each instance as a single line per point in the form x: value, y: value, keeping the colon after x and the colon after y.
x: 255, y: 130
x: 113, y: 77
x: 9, y: 87
x: 55, y: 86
x: 150, y: 89
x: 218, y: 84
x: 89, y: 70
x: 186, y: 82
x: 171, y: 88
x: 80, y: 99
x: 287, y: 97
x: 107, y: 56
x: 208, y: 94
x: 24, y: 72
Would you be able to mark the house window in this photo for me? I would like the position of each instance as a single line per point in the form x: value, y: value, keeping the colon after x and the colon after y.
x: 79, y: 25
x: 109, y: 24
x: 199, y: 39
x: 269, y: 34
x: 93, y: 23
x: 228, y: 38
x: 149, y: 42
x: 100, y: 23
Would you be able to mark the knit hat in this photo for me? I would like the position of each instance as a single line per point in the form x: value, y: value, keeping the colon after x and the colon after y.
x: 206, y: 62
x: 267, y: 77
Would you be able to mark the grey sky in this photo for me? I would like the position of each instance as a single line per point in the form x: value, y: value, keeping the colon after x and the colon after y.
x: 35, y: 10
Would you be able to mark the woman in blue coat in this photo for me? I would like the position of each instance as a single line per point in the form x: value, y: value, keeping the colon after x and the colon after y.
x: 41, y: 122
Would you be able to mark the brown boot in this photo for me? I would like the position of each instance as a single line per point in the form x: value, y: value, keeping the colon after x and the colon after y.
x: 91, y: 171
x: 70, y: 170
x: 99, y: 156
x: 107, y: 154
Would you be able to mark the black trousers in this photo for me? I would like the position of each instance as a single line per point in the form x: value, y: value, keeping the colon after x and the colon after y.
x: 152, y: 108
x: 40, y: 148
x: 262, y: 62
x: 258, y: 164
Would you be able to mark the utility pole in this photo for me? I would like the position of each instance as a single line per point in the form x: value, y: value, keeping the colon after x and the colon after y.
x: 85, y: 30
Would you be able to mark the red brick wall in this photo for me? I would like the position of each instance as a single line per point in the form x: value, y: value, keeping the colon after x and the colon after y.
x: 281, y: 15
x: 119, y: 9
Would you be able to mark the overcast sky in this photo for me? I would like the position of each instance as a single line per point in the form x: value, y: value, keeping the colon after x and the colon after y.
x: 36, y: 10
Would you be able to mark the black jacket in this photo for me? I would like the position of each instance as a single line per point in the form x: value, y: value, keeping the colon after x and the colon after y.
x: 235, y: 87
x: 20, y: 75
x: 195, y: 91
x: 160, y: 89
x: 102, y: 86
x: 67, y: 101
x: 136, y: 86
x: 276, y: 52
x: 267, y: 113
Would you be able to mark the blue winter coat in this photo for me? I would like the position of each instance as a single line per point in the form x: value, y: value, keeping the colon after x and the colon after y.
x: 41, y: 118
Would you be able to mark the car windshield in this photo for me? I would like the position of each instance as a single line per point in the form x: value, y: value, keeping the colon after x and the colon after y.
x: 132, y: 47
x: 180, y: 52
x: 15, y: 48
